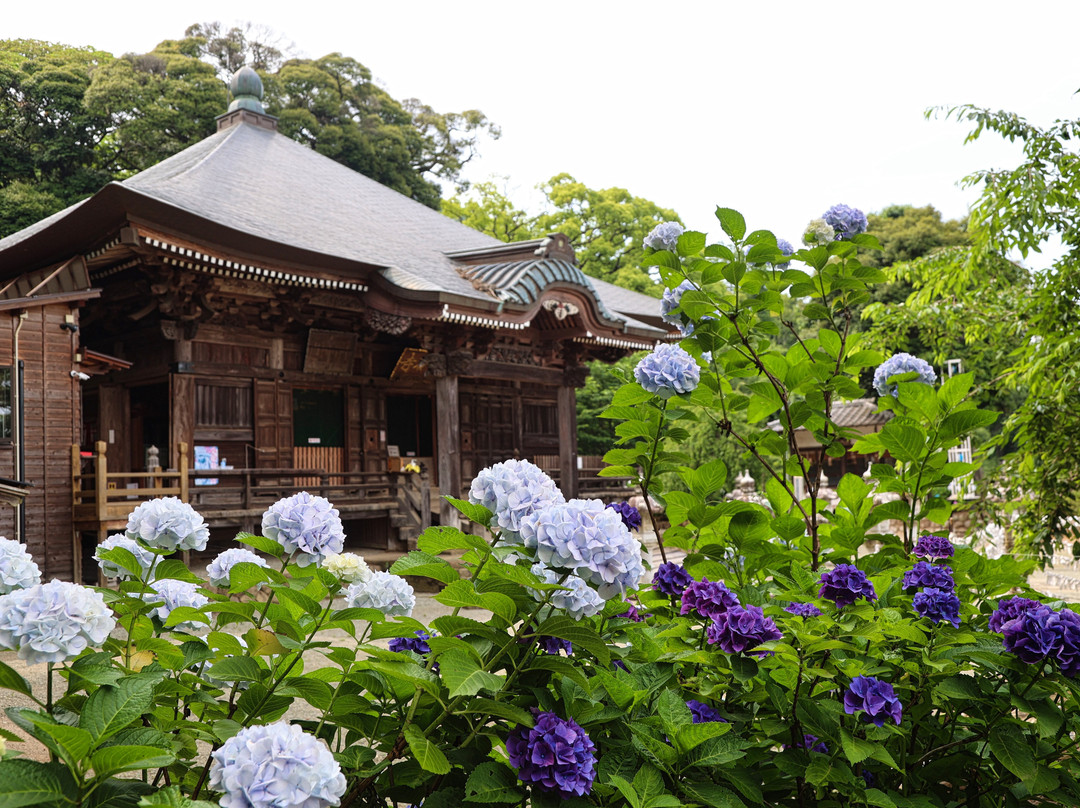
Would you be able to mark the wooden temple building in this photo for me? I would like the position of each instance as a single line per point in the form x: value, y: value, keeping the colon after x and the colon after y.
x: 248, y: 318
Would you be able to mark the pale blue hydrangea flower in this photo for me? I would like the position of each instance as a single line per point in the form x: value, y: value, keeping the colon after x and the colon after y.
x: 168, y: 524
x: 110, y: 569
x: 306, y: 525
x: 818, y: 231
x: 786, y: 248
x: 390, y: 594
x: 584, y: 536
x: 664, y: 236
x: 846, y: 221
x: 169, y: 594
x: 578, y: 599
x: 53, y: 622
x: 17, y: 567
x: 668, y: 370
x: 218, y: 569
x: 670, y: 301
x: 276, y: 766
x: 901, y: 363
x: 511, y: 490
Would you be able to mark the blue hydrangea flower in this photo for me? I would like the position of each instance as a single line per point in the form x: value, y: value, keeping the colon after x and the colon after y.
x: 812, y: 743
x: 846, y: 221
x: 577, y: 599
x: 786, y: 248
x: 218, y: 569
x: 931, y: 575
x: 1010, y: 609
x: 818, y: 231
x: 897, y: 364
x: 933, y: 547
x: 171, y: 594
x: 668, y: 370
x: 168, y: 524
x: 306, y: 526
x: 939, y: 605
x: 739, y: 630
x: 511, y: 490
x: 633, y: 615
x: 418, y: 644
x: 110, y: 569
x: 274, y: 766
x: 631, y: 517
x: 53, y: 622
x: 664, y: 236
x: 875, y: 699
x: 702, y: 713
x: 709, y: 599
x: 671, y: 580
x: 390, y: 594
x: 584, y: 536
x: 1031, y: 635
x: 1067, y: 626
x: 17, y: 567
x: 670, y: 301
x: 845, y: 584
x: 554, y: 755
x: 803, y: 609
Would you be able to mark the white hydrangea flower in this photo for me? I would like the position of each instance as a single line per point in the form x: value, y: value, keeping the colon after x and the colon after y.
x: 389, y: 593
x: 168, y: 524
x: 818, y: 231
x: 276, y: 766
x: 17, y: 567
x: 305, y: 525
x: 171, y: 594
x: 111, y: 569
x: 218, y: 569
x: 53, y: 622
x: 348, y: 567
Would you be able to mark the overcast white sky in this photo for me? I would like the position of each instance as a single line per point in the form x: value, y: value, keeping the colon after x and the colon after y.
x: 778, y: 109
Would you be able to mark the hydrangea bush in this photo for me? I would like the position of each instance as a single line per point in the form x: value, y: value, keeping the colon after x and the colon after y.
x: 810, y: 651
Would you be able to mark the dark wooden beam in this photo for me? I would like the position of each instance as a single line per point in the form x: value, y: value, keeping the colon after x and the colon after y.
x: 448, y: 445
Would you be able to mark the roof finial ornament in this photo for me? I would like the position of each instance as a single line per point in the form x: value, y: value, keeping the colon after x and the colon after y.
x: 246, y: 89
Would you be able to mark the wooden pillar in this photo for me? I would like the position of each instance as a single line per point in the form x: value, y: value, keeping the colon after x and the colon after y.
x: 567, y: 412
x: 448, y: 445
x: 182, y: 420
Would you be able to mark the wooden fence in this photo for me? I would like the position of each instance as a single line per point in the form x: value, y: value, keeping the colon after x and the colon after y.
x: 590, y: 485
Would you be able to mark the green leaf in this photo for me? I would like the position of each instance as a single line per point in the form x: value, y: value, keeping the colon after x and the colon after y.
x: 427, y: 754
x: 501, y: 709
x: 170, y: 797
x: 463, y: 675
x: 420, y: 563
x: 10, y: 679
x: 856, y: 750
x: 245, y: 576
x: 689, y: 737
x: 566, y: 628
x: 26, y: 782
x: 115, y: 759
x: 261, y: 543
x: 177, y: 570
x: 464, y: 594
x: 649, y: 784
x: 1010, y: 746
x: 76, y: 742
x: 830, y: 341
x: 472, y: 511
x: 732, y: 222
x: 690, y: 243
x: 440, y: 538
x: 905, y: 443
x: 492, y: 782
x: 109, y: 709
x: 713, y: 795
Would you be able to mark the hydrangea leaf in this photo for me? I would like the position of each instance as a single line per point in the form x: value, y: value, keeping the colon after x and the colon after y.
x: 732, y: 222
x: 492, y: 782
x: 427, y: 754
x: 261, y: 543
x: 112, y: 760
x: 10, y: 679
x: 1013, y: 749
x: 420, y: 563
x: 109, y: 709
x: 29, y: 783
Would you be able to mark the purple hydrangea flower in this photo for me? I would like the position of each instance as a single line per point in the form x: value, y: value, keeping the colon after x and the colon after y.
x: 901, y: 363
x: 739, y: 630
x: 702, y: 713
x: 576, y: 598
x: 218, y: 569
x: 938, y: 605
x: 709, y: 599
x: 168, y: 524
x: 511, y: 490
x: 631, y: 516
x: 1067, y: 626
x: 671, y: 300
x: 671, y: 580
x: 390, y: 594
x: 306, y: 525
x: 1010, y: 609
x: 665, y: 236
x: 171, y: 594
x: 786, y: 248
x: 584, y: 536
x: 53, y: 622
x: 929, y: 575
x: 869, y: 778
x: 17, y: 567
x: 668, y: 370
x: 1031, y: 635
x: 811, y: 742
x: 803, y: 609
x: 110, y: 569
x: 632, y: 614
x: 933, y: 547
x: 417, y: 644
x: 555, y: 755
x: 846, y: 221
x: 547, y: 644
x: 874, y: 698
x: 273, y: 766
x: 844, y: 584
